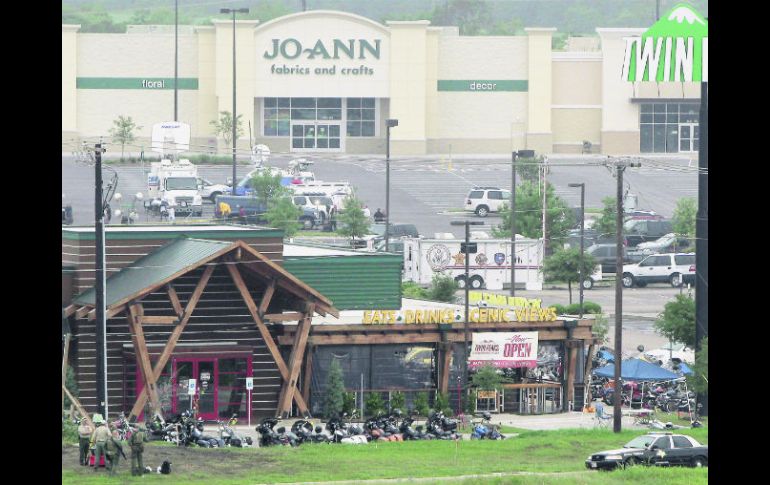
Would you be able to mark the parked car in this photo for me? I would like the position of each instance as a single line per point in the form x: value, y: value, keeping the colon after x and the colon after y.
x: 483, y: 200
x: 665, y: 244
x: 669, y: 351
x: 642, y: 215
x: 659, y: 449
x: 641, y: 230
x: 209, y: 190
x: 589, y: 238
x: 675, y: 268
x: 606, y: 254
x: 243, y: 209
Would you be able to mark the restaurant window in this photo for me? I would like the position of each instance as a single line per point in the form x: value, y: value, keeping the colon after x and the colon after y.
x: 360, y: 116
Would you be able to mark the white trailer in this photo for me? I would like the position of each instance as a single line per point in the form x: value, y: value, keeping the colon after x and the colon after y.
x: 490, y: 265
x: 177, y: 184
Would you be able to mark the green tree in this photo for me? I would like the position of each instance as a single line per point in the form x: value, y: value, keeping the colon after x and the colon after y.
x: 374, y: 404
x: 564, y: 265
x: 529, y: 215
x: 471, y: 16
x: 442, y: 404
x: 92, y: 17
x: 699, y: 380
x: 335, y: 391
x: 607, y: 221
x: 283, y: 214
x: 72, y: 386
x: 224, y: 127
x: 421, y: 403
x: 677, y: 321
x: 349, y: 403
x: 267, y: 186
x: 683, y: 220
x: 486, y: 378
x: 353, y: 222
x: 443, y: 288
x: 470, y: 402
x: 397, y: 400
x: 528, y: 169
x: 122, y: 132
x: 601, y: 327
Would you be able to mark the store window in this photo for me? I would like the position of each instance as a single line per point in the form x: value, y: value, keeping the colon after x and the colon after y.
x: 280, y: 112
x: 360, y: 116
x: 668, y: 127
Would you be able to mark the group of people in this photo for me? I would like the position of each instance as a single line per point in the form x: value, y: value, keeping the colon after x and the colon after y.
x: 379, y: 216
x: 104, y: 441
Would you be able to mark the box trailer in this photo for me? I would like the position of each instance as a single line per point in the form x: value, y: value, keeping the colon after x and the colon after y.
x: 490, y: 263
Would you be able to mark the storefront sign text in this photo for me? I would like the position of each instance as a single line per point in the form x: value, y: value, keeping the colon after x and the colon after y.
x: 504, y: 350
x: 475, y: 315
x: 338, y: 49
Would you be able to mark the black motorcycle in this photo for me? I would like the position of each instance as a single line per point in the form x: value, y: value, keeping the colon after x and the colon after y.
x: 230, y: 437
x: 274, y: 437
x: 441, y: 427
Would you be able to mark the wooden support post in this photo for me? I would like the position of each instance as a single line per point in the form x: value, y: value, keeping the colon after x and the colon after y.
x: 79, y: 407
x: 571, y: 375
x: 64, y: 362
x: 174, y: 298
x: 134, y: 317
x: 589, y: 364
x: 295, y: 364
x: 172, y: 340
x: 264, y: 332
x: 307, y: 377
x: 266, y: 298
x: 446, y: 359
x: 159, y: 320
x: 82, y: 311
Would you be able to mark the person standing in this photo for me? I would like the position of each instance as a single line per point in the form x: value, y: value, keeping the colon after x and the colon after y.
x: 379, y: 216
x: 85, y: 430
x: 136, y: 442
x: 99, y: 439
x: 333, y: 219
x: 113, y: 449
x: 367, y: 212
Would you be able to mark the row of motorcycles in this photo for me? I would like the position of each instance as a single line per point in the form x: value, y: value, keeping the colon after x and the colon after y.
x: 392, y: 427
x: 184, y: 430
x: 667, y: 396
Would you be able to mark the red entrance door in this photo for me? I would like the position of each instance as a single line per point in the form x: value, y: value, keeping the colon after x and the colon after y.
x: 204, y: 371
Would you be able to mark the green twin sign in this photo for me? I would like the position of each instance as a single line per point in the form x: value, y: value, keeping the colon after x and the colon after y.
x: 674, y: 49
x: 144, y: 83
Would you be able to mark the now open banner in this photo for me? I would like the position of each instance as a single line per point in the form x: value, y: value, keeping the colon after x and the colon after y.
x: 503, y: 350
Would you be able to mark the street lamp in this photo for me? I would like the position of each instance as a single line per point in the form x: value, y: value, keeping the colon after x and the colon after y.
x: 466, y: 250
x: 234, y: 11
x: 582, y: 231
x: 390, y: 122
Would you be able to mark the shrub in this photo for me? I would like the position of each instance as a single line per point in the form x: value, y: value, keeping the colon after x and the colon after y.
x: 397, y: 400
x: 335, y: 391
x: 443, y: 288
x: 69, y: 431
x: 588, y: 307
x: 470, y: 402
x: 442, y: 404
x: 410, y: 289
x: 560, y: 309
x: 72, y: 387
x: 421, y: 404
x: 349, y: 403
x: 374, y: 404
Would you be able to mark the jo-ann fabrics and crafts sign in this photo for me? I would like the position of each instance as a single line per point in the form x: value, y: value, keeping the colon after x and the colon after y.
x: 503, y: 350
x: 674, y: 49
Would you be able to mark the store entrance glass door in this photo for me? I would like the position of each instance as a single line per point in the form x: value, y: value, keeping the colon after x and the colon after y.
x: 204, y: 371
x: 688, y: 138
x: 315, y: 136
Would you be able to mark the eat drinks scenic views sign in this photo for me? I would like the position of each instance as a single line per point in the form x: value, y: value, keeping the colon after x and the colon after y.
x: 674, y: 49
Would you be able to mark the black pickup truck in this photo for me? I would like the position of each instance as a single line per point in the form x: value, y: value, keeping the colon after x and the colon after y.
x: 658, y: 449
x: 249, y: 210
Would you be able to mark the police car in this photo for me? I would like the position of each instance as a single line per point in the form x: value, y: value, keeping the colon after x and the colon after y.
x: 659, y: 449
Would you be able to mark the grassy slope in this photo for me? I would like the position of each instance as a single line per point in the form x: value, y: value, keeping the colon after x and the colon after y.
x: 533, y: 451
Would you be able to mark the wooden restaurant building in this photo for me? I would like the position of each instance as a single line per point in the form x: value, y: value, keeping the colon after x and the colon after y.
x: 220, y: 303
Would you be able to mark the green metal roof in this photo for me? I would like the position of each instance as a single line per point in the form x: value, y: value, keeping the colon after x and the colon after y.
x: 154, y: 268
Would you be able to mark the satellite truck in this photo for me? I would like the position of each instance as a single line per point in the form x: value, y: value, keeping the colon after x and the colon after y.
x: 171, y: 180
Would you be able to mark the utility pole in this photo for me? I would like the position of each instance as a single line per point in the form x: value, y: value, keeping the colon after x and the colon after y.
x: 101, y: 321
x: 545, y: 191
x: 620, y: 167
x: 176, y: 58
x: 513, y: 222
x: 701, y: 235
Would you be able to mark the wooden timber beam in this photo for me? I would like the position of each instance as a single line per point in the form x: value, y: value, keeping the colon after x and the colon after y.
x: 79, y: 407
x: 159, y: 320
x: 134, y: 318
x: 295, y: 364
x: 82, y: 311
x: 263, y: 331
x: 589, y: 363
x: 308, y: 375
x: 64, y: 362
x: 322, y: 338
x: 172, y: 340
x: 91, y: 315
x: 571, y: 376
x: 266, y: 298
x: 69, y: 310
x: 174, y: 298
x: 110, y: 312
x: 446, y: 358
x: 284, y: 317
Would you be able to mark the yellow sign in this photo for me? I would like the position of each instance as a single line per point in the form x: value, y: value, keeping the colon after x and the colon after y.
x: 487, y: 395
x: 504, y: 301
x: 447, y: 315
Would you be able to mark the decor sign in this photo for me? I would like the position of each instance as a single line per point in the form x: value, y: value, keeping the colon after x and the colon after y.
x: 674, y: 49
x: 503, y: 350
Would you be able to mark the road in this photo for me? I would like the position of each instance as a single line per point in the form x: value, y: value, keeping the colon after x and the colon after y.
x: 423, y: 189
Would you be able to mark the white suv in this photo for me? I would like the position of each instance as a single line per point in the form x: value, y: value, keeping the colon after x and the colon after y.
x: 675, y: 268
x: 483, y: 200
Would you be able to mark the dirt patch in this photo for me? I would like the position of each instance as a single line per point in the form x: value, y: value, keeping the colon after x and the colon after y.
x: 191, y: 461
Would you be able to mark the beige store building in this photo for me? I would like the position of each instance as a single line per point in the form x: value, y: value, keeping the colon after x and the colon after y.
x: 325, y: 81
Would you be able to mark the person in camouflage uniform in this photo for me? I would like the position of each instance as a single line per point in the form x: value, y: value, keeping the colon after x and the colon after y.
x: 136, y: 442
x: 85, y: 430
x: 99, y: 439
x: 114, y: 449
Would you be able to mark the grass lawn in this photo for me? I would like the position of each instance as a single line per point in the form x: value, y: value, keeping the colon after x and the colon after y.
x: 531, y: 451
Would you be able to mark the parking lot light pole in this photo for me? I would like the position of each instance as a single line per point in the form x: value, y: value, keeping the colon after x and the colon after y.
x: 235, y: 125
x: 467, y: 225
x: 582, y: 232
x: 390, y: 122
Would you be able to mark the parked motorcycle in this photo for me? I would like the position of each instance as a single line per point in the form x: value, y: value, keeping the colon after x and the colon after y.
x: 123, y: 427
x: 485, y: 430
x: 441, y: 427
x: 274, y: 437
x: 230, y: 437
